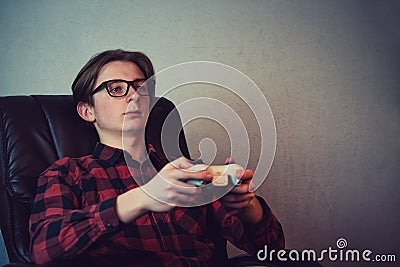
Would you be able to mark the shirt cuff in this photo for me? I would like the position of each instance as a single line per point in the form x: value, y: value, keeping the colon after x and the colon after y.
x: 107, y: 217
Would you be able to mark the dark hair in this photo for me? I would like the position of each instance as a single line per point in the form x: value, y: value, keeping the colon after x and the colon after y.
x: 85, y: 80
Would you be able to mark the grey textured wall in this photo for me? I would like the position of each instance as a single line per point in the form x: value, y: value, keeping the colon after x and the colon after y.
x: 329, y: 69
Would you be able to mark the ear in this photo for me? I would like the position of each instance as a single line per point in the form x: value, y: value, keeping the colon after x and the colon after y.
x: 85, y: 110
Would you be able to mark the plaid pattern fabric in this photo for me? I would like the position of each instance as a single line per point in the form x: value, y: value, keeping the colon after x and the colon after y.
x: 73, y: 217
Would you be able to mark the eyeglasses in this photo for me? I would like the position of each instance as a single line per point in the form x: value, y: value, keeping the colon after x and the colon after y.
x: 120, y: 88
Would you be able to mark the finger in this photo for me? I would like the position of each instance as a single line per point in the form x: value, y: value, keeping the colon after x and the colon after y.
x: 199, y: 175
x: 181, y: 163
x: 229, y: 161
x: 252, y: 186
x: 246, y: 175
x: 240, y: 189
x: 185, y: 196
x: 187, y: 189
x: 167, y: 181
x: 236, y: 198
x: 180, y: 199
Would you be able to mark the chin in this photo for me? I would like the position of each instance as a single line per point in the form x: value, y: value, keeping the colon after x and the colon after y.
x: 133, y: 130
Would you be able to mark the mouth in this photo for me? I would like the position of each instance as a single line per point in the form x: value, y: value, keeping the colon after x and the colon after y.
x: 133, y: 113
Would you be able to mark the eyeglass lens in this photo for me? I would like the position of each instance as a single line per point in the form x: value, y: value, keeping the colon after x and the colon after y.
x: 120, y: 88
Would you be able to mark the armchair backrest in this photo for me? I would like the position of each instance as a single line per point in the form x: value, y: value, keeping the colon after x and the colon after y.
x: 35, y: 131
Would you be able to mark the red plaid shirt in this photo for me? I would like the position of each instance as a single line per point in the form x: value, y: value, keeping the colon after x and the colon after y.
x: 73, y: 218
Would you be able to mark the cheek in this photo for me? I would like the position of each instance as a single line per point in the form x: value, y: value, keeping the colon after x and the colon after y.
x: 145, y: 105
x: 107, y: 113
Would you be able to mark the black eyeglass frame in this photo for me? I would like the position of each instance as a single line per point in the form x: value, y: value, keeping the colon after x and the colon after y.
x: 129, y: 83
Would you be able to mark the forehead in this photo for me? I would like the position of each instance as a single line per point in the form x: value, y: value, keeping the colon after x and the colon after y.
x: 124, y: 70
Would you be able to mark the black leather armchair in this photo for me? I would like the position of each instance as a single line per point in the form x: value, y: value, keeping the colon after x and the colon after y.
x: 37, y: 130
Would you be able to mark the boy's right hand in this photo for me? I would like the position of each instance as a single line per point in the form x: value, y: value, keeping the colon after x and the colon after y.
x: 163, y: 192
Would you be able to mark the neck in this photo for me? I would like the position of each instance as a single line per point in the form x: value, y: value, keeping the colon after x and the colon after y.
x: 134, y: 145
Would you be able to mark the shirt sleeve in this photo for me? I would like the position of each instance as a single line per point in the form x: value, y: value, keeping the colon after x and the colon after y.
x: 250, y: 237
x: 60, y: 228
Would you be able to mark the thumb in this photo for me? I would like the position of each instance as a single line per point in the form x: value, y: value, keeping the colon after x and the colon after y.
x: 247, y: 175
x: 182, y: 163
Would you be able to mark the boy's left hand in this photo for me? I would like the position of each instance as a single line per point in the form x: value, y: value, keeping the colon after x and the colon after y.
x: 242, y: 195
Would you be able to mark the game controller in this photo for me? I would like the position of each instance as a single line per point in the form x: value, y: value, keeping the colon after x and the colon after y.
x: 222, y: 174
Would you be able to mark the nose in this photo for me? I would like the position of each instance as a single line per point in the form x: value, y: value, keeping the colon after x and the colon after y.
x: 132, y: 95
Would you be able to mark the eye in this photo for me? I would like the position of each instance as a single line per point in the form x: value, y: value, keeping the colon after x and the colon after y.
x: 116, y: 88
x: 143, y: 90
x: 141, y: 87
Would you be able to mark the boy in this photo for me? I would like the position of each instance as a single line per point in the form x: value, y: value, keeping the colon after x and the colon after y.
x: 90, y: 210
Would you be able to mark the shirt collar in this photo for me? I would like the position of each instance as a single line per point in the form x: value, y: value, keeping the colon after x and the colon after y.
x: 107, y: 153
x: 112, y: 154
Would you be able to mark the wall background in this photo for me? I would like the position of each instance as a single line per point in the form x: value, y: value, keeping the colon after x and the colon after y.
x: 329, y: 69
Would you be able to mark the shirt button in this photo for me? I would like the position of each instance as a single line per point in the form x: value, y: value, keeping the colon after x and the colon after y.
x: 108, y: 225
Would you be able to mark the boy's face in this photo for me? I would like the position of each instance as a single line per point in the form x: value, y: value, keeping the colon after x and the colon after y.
x: 116, y: 114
